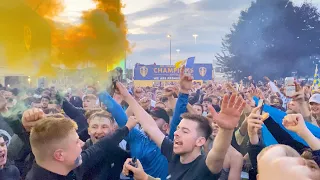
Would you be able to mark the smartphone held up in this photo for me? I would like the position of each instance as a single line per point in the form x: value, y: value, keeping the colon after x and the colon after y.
x: 290, y: 87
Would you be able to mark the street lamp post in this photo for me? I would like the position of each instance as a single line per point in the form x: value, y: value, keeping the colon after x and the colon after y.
x: 195, y: 38
x: 178, y: 52
x: 169, y: 36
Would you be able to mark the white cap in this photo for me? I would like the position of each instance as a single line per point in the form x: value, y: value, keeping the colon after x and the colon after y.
x: 315, y: 99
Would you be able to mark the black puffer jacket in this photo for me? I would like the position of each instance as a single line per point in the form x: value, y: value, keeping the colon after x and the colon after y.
x: 110, y: 168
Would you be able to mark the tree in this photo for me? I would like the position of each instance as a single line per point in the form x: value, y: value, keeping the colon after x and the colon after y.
x: 272, y: 38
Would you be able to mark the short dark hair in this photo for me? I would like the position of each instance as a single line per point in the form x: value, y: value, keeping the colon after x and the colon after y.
x: 203, y: 123
x: 200, y: 105
x: 208, y: 100
x: 273, y: 97
x: 164, y: 99
x: 45, y: 97
x: 51, y: 111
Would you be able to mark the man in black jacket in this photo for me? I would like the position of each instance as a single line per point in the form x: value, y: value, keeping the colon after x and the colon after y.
x: 101, y: 124
x: 57, y: 147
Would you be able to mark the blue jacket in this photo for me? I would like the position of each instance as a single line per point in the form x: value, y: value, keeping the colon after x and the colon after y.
x: 181, y: 107
x: 141, y: 146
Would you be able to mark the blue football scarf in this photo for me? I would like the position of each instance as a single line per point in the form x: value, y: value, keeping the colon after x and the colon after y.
x: 278, y: 116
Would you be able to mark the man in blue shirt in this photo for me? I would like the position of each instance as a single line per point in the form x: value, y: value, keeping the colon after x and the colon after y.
x: 141, y: 146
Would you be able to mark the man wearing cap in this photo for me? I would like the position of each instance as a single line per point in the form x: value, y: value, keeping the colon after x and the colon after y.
x: 161, y: 117
x: 314, y: 102
x: 7, y: 169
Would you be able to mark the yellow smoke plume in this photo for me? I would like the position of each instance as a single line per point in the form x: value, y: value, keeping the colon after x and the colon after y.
x: 46, y: 8
x: 34, y: 44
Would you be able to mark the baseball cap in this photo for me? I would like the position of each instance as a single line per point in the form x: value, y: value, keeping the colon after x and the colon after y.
x: 315, y: 99
x: 160, y: 113
x: 208, y: 100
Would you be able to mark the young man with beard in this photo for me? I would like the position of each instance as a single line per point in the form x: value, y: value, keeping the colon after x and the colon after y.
x: 57, y: 147
x: 45, y: 100
x: 184, y: 153
x: 101, y: 124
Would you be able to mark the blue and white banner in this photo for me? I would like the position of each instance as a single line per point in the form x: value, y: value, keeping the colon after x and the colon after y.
x: 167, y: 72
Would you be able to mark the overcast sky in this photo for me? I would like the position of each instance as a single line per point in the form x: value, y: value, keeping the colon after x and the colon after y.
x: 149, y: 22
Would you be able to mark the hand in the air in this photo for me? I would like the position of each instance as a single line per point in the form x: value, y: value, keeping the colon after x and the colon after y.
x: 299, y: 95
x: 30, y: 117
x: 254, y: 121
x: 168, y: 91
x: 231, y: 110
x: 145, y: 103
x: 185, y: 81
x: 295, y: 123
x: 123, y: 90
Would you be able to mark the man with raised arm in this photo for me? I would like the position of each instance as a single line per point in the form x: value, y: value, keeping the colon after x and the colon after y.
x: 184, y: 152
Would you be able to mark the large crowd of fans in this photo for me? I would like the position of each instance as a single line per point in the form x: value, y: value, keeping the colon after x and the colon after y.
x: 182, y: 131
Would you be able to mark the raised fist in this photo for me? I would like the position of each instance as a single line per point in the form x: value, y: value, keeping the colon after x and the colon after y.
x: 30, y: 117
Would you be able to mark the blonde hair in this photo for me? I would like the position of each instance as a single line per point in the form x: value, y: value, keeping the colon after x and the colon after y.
x: 90, y: 112
x: 101, y: 114
x: 47, y: 132
x: 56, y: 115
x: 90, y: 97
x: 290, y: 152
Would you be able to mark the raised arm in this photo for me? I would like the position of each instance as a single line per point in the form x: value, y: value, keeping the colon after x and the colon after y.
x: 296, y: 123
x: 282, y: 136
x: 254, y: 122
x: 120, y: 116
x: 75, y: 114
x: 114, y: 108
x: 182, y: 102
x: 146, y: 121
x: 227, y: 120
x: 69, y: 109
x: 181, y: 107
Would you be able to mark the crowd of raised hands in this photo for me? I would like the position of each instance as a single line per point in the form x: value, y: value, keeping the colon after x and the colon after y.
x: 185, y: 130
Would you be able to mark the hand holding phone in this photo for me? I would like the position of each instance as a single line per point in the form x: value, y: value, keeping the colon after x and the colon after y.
x: 261, y: 104
x: 134, y: 164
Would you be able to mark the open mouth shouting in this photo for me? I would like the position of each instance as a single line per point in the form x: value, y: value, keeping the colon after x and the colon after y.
x: 98, y: 137
x: 3, y: 158
x: 177, y: 143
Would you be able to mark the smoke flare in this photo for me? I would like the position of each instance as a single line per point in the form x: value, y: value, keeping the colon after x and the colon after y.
x: 35, y: 44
